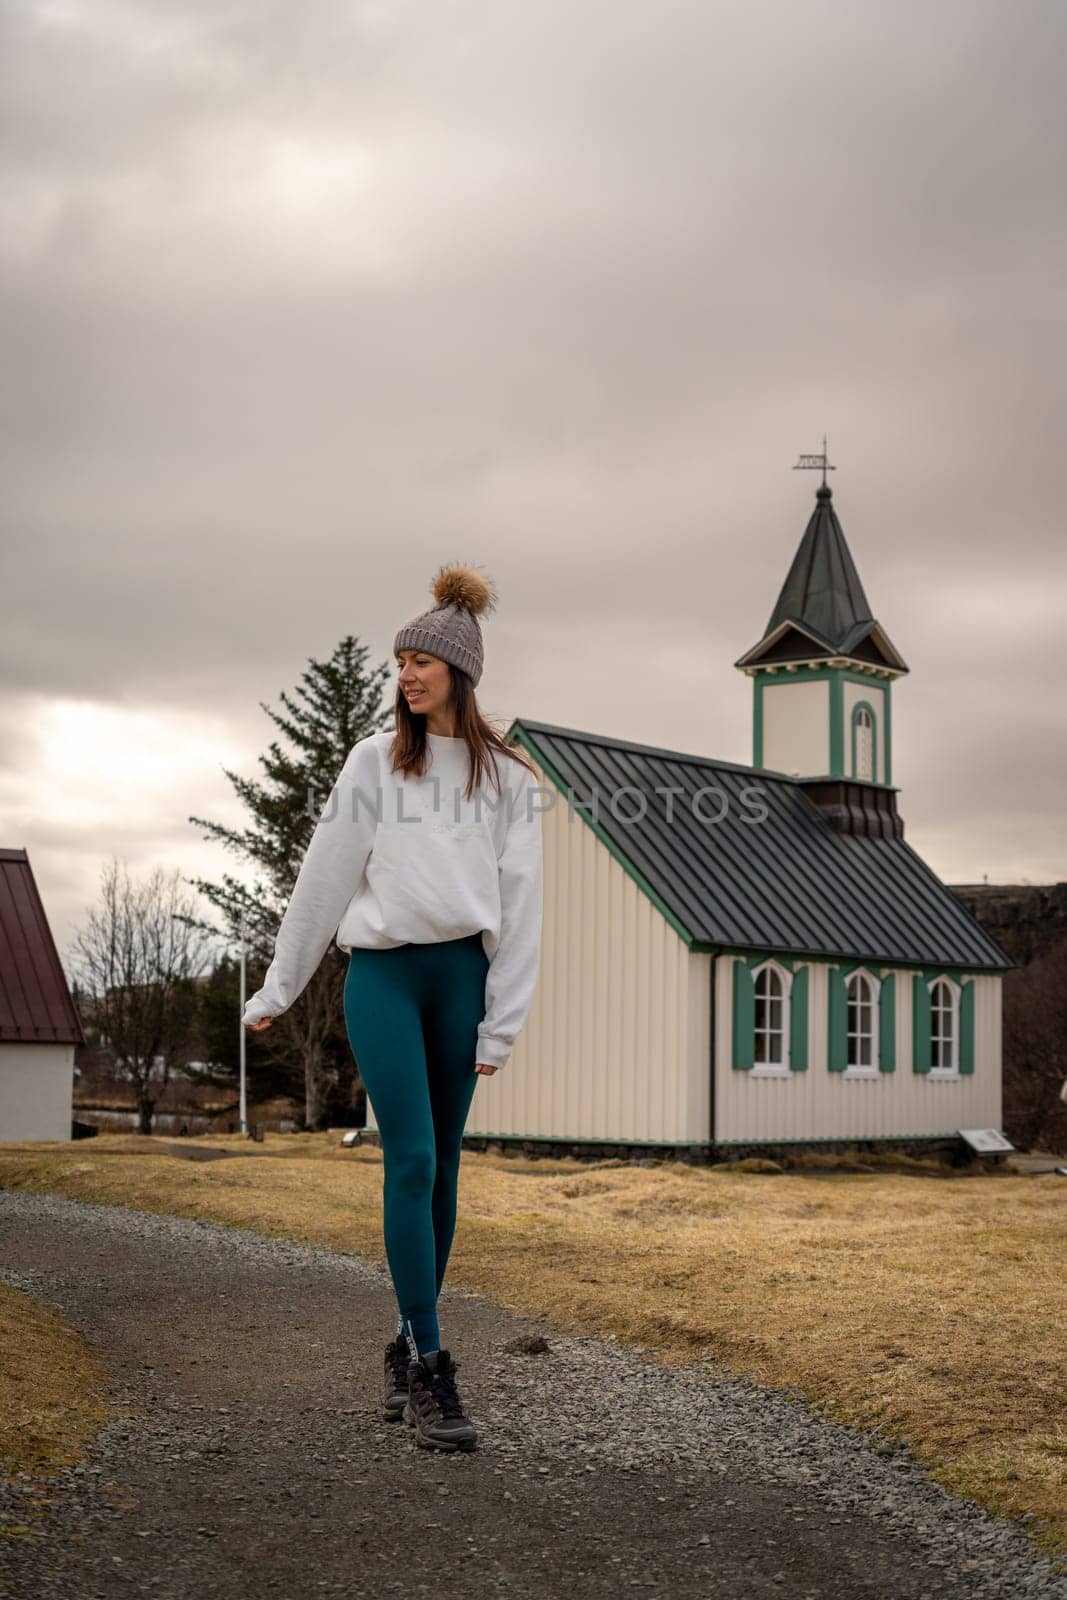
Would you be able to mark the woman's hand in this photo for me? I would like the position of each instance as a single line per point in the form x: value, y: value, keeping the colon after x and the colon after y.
x: 258, y: 1027
x: 483, y: 1066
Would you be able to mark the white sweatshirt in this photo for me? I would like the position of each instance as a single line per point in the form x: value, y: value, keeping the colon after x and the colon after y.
x: 397, y: 860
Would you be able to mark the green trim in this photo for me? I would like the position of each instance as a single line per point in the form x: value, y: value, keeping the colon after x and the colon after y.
x: 626, y: 865
x: 712, y: 1062
x: 754, y: 961
x: 743, y: 1016
x: 847, y: 963
x: 966, y: 1016
x: 888, y: 761
x: 887, y: 1023
x: 854, y: 1139
x: 798, y: 1021
x: 698, y: 1144
x: 757, y: 721
x: 837, y: 1022
x: 865, y: 705
x: 583, y: 1138
x: 837, y: 724
x: 920, y: 1024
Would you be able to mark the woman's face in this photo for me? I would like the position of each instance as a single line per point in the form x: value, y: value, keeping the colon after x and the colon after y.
x: 424, y: 681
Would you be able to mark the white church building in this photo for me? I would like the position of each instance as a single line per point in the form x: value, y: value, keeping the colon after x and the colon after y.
x: 736, y: 957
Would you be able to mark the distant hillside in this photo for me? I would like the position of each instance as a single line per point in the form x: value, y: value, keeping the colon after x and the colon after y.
x: 1026, y: 919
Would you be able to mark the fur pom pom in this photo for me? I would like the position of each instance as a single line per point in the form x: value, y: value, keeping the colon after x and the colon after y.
x: 460, y: 585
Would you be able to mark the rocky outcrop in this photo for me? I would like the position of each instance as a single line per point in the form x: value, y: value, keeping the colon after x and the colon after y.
x: 1029, y: 922
x: 1025, y: 919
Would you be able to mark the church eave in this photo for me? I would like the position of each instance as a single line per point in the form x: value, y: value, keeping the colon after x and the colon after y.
x: 876, y: 635
x: 827, y: 653
x: 769, y: 640
x: 868, y: 668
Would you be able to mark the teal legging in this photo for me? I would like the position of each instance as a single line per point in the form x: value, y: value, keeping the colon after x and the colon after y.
x: 412, y: 1015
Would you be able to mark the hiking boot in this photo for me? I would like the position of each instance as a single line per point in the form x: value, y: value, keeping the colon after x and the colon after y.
x: 395, y: 1388
x: 434, y: 1408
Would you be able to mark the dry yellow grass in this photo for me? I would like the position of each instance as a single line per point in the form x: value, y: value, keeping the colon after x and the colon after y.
x: 932, y: 1309
x: 53, y: 1394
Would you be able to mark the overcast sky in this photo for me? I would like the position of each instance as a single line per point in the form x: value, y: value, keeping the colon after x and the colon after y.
x: 300, y: 301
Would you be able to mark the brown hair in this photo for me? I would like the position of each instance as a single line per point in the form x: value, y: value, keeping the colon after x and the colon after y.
x: 410, y: 751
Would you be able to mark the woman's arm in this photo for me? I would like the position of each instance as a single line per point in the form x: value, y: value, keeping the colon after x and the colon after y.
x: 328, y: 878
x: 512, y: 975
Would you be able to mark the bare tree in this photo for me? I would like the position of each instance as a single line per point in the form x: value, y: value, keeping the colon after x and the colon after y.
x: 137, y: 957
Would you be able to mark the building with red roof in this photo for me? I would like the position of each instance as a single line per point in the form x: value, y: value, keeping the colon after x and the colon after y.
x: 39, y: 1024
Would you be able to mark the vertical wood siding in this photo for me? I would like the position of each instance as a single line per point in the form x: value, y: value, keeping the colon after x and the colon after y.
x: 820, y: 1104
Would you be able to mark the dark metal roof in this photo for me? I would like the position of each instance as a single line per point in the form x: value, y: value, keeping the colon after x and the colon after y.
x: 823, y: 590
x: 787, y: 883
x: 35, y: 1002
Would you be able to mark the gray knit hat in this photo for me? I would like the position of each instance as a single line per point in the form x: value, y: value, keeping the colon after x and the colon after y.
x: 450, y: 628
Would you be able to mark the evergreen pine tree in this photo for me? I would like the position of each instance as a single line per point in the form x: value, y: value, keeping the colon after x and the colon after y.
x: 339, y: 702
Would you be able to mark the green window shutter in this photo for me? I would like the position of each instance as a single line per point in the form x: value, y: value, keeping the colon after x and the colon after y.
x: 744, y: 1014
x: 967, y: 1026
x: 837, y: 1054
x: 920, y: 1024
x: 798, y: 1021
x: 887, y: 1023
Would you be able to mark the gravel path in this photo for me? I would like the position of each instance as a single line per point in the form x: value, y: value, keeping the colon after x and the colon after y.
x: 248, y: 1458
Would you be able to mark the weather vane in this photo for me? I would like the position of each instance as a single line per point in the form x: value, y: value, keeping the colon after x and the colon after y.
x: 816, y: 461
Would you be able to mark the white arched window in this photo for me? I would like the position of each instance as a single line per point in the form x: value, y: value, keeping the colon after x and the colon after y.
x: 944, y: 1032
x: 769, y: 1048
x: 860, y: 1022
x: 864, y: 744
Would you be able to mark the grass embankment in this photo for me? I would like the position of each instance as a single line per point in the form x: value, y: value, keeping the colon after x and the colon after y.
x: 53, y: 1395
x: 931, y: 1309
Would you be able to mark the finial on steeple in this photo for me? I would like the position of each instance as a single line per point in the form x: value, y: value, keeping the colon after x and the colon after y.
x: 816, y: 461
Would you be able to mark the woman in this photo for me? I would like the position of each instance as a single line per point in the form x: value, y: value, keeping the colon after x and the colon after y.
x: 431, y: 880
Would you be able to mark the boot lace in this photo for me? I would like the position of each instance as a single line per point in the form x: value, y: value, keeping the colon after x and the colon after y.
x: 399, y: 1357
x: 443, y: 1388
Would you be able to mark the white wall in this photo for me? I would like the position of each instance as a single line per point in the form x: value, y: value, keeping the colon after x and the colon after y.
x: 796, y: 726
x: 36, y: 1091
x: 820, y: 1104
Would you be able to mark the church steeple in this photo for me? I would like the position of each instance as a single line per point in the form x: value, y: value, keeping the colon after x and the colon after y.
x: 822, y: 670
x: 822, y: 592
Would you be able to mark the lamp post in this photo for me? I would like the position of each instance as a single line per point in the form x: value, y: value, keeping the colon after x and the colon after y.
x: 243, y: 1104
